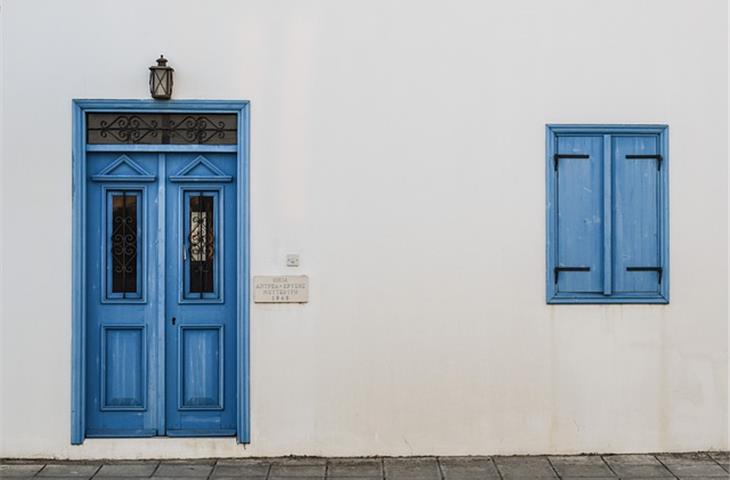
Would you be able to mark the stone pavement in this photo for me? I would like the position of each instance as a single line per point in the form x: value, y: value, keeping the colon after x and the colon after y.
x: 690, y: 466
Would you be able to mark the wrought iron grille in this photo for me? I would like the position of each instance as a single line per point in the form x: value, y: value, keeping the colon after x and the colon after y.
x: 124, y: 243
x: 202, y: 243
x: 161, y: 128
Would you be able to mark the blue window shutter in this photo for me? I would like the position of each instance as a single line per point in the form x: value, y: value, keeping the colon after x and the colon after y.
x: 637, y: 265
x: 579, y: 204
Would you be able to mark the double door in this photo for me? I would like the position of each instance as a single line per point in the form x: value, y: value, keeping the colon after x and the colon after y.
x: 160, y: 294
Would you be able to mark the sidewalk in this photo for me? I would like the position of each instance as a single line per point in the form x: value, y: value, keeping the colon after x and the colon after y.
x: 694, y: 466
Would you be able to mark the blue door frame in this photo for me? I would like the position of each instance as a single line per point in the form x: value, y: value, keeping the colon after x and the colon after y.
x: 79, y: 249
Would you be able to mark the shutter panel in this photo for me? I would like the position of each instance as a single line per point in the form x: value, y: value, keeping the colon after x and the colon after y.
x: 636, y: 258
x: 579, y: 199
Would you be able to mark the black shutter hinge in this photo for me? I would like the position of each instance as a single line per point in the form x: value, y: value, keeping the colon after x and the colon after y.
x: 658, y: 270
x: 557, y: 270
x: 558, y: 156
x: 653, y: 156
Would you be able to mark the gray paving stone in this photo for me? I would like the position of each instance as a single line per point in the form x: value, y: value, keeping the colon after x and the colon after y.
x: 355, y: 467
x: 74, y: 470
x: 696, y: 471
x: 329, y: 477
x: 295, y: 476
x: 242, y: 477
x: 692, y: 465
x: 241, y: 469
x: 592, y: 478
x: 631, y: 459
x: 299, y: 461
x: 53, y: 477
x: 297, y: 470
x: 127, y: 469
x: 685, y: 458
x: 581, y: 466
x: 244, y: 461
x: 19, y: 470
x: 162, y: 478
x: 636, y: 466
x: 421, y: 468
x: 513, y: 468
x: 723, y: 458
x: 703, y: 478
x: 468, y: 468
x: 670, y: 477
x: 641, y: 471
x: 183, y: 470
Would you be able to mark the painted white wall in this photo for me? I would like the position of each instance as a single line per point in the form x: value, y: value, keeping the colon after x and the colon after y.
x: 399, y: 148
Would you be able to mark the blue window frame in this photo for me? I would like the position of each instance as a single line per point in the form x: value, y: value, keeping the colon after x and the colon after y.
x: 607, y: 214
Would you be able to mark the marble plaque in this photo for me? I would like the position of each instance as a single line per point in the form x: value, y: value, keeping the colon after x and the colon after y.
x: 281, y: 289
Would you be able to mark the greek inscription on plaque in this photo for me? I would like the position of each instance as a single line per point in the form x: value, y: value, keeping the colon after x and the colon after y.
x: 281, y: 289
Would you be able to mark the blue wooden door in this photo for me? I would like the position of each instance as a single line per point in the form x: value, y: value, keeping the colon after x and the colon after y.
x: 161, y: 294
x: 122, y: 291
x: 200, y: 294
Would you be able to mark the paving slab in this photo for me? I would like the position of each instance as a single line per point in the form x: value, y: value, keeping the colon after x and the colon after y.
x: 127, y: 469
x: 631, y: 459
x: 513, y: 468
x: 241, y: 469
x: 184, y: 470
x: 241, y: 462
x: 355, y: 467
x: 637, y: 466
x: 294, y: 477
x: 670, y: 477
x: 244, y: 477
x: 71, y: 470
x: 595, y: 478
x: 701, y: 478
x: 468, y: 468
x: 299, y: 461
x: 581, y: 466
x: 692, y: 465
x: 723, y: 458
x: 329, y: 477
x: 12, y: 470
x: 407, y: 468
x: 297, y: 470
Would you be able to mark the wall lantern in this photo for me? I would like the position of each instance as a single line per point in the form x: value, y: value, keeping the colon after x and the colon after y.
x: 161, y: 79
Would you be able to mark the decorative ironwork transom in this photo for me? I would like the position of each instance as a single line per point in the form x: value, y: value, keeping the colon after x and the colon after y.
x: 161, y: 128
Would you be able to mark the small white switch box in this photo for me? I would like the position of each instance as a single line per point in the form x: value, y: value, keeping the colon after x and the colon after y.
x: 292, y: 260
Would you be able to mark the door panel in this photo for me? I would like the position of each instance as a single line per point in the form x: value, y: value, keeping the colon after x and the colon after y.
x: 121, y: 320
x: 201, y: 285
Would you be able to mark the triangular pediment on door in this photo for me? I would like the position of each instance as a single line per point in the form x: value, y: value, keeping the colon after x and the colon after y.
x: 200, y: 170
x: 124, y: 169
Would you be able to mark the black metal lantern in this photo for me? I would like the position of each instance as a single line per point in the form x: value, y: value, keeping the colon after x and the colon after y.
x: 161, y: 79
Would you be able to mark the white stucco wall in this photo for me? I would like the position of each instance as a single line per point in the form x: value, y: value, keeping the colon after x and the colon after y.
x: 399, y: 148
